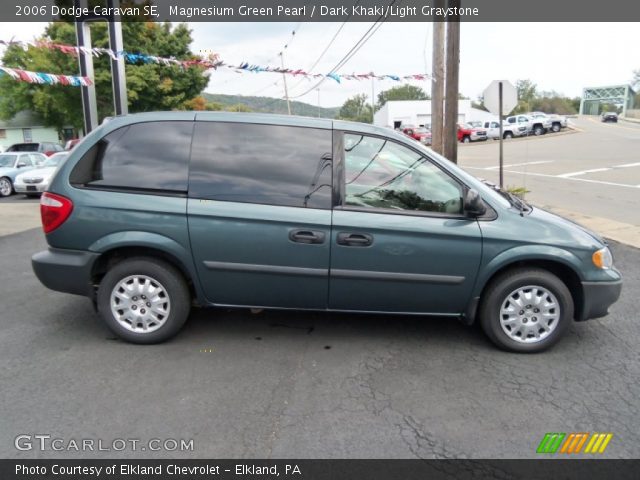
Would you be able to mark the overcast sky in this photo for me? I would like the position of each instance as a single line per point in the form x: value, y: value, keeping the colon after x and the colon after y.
x: 564, y: 57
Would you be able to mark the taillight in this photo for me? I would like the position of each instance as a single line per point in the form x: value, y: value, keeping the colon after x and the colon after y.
x: 54, y: 210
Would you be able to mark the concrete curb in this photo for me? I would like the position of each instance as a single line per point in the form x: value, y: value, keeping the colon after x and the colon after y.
x: 620, y: 232
x: 630, y: 120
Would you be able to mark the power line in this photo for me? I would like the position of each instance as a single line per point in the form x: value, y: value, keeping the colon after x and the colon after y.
x: 367, y: 35
x: 326, y: 49
x: 287, y: 44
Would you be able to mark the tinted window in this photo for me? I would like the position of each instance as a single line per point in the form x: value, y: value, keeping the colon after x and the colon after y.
x: 23, y: 147
x: 25, y: 161
x: 383, y: 174
x: 151, y: 155
x: 270, y: 164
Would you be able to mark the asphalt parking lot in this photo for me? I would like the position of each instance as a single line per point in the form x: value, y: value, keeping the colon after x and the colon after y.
x: 286, y: 385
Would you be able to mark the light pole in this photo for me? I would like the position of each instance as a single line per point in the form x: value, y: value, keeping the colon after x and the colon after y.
x: 284, y: 78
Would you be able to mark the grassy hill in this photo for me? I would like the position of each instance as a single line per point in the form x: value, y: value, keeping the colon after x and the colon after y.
x: 271, y: 105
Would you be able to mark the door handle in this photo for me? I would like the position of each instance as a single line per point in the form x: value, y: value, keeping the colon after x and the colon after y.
x: 306, y: 236
x: 354, y: 239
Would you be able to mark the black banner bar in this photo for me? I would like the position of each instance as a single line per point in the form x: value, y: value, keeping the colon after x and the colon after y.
x: 547, y: 469
x: 328, y: 11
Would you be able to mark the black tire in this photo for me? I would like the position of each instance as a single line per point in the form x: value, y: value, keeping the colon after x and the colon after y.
x: 556, y: 127
x: 507, y: 135
x: 466, y: 139
x: 500, y: 289
x: 161, y: 272
x: 538, y: 130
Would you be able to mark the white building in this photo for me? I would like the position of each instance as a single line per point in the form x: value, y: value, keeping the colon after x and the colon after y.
x: 395, y: 113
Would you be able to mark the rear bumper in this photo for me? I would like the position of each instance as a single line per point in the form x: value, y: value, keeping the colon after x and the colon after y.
x: 66, y: 271
x: 598, y: 297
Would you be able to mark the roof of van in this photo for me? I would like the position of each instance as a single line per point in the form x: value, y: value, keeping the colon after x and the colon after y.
x: 252, y: 117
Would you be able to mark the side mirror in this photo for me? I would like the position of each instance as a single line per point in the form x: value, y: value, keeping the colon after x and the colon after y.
x: 21, y: 164
x: 473, y: 204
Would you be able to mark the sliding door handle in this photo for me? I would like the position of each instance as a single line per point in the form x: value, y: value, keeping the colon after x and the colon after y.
x: 306, y: 236
x: 354, y: 239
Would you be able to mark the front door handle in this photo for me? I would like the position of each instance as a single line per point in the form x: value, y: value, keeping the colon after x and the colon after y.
x: 306, y: 236
x: 354, y: 239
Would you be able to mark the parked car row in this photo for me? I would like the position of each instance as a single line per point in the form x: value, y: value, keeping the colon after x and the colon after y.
x: 534, y: 123
x: 28, y: 167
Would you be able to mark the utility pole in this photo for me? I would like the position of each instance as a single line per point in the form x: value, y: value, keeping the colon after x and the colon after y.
x: 373, y: 96
x: 437, y: 84
x: 284, y: 78
x: 450, y: 144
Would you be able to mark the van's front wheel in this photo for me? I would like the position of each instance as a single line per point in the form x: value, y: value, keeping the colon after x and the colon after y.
x: 526, y: 310
x: 143, y: 300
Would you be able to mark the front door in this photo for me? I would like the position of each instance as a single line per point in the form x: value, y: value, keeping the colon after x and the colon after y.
x: 259, y: 213
x: 400, y: 240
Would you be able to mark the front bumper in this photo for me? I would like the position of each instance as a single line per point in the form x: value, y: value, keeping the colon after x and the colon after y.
x: 30, y: 187
x: 597, y: 298
x: 66, y: 271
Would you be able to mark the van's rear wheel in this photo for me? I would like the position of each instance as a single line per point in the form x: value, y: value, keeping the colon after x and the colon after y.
x: 144, y: 300
x: 526, y: 310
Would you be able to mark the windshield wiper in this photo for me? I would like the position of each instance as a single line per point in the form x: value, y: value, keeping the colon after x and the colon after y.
x: 514, y: 200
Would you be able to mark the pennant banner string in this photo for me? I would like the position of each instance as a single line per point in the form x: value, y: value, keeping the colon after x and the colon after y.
x: 45, y: 78
x: 211, y: 61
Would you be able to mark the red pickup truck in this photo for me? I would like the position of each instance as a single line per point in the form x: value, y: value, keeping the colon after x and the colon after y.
x: 420, y: 134
x: 466, y: 134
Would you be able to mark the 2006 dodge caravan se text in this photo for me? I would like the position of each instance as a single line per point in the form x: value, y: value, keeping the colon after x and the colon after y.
x: 155, y: 212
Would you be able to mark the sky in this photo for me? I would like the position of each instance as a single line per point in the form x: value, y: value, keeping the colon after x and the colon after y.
x: 564, y: 57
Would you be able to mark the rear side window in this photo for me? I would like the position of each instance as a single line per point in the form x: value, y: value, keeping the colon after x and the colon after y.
x: 268, y: 164
x: 148, y: 156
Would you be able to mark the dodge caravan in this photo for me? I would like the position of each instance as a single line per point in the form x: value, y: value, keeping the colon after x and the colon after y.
x: 155, y: 213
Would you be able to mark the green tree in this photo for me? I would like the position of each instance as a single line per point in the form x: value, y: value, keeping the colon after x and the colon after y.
x: 149, y: 86
x: 238, y: 107
x: 527, y: 92
x: 402, y: 92
x: 356, y: 109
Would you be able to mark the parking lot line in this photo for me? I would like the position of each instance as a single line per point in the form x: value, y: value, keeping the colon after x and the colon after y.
x: 583, y: 172
x: 627, y: 165
x: 518, y: 164
x: 587, y: 180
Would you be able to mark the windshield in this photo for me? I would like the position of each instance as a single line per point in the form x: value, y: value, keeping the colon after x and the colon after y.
x: 7, y: 160
x: 55, y: 160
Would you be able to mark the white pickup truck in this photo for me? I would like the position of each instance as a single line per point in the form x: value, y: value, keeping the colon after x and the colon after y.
x: 558, y: 122
x: 509, y: 130
x: 535, y: 125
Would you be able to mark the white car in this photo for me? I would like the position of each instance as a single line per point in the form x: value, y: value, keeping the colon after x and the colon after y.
x: 36, y: 181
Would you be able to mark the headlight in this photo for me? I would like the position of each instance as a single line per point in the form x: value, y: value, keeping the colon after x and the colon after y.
x: 602, y: 258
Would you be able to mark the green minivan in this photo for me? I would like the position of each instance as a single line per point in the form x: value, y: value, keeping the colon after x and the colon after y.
x: 155, y: 213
